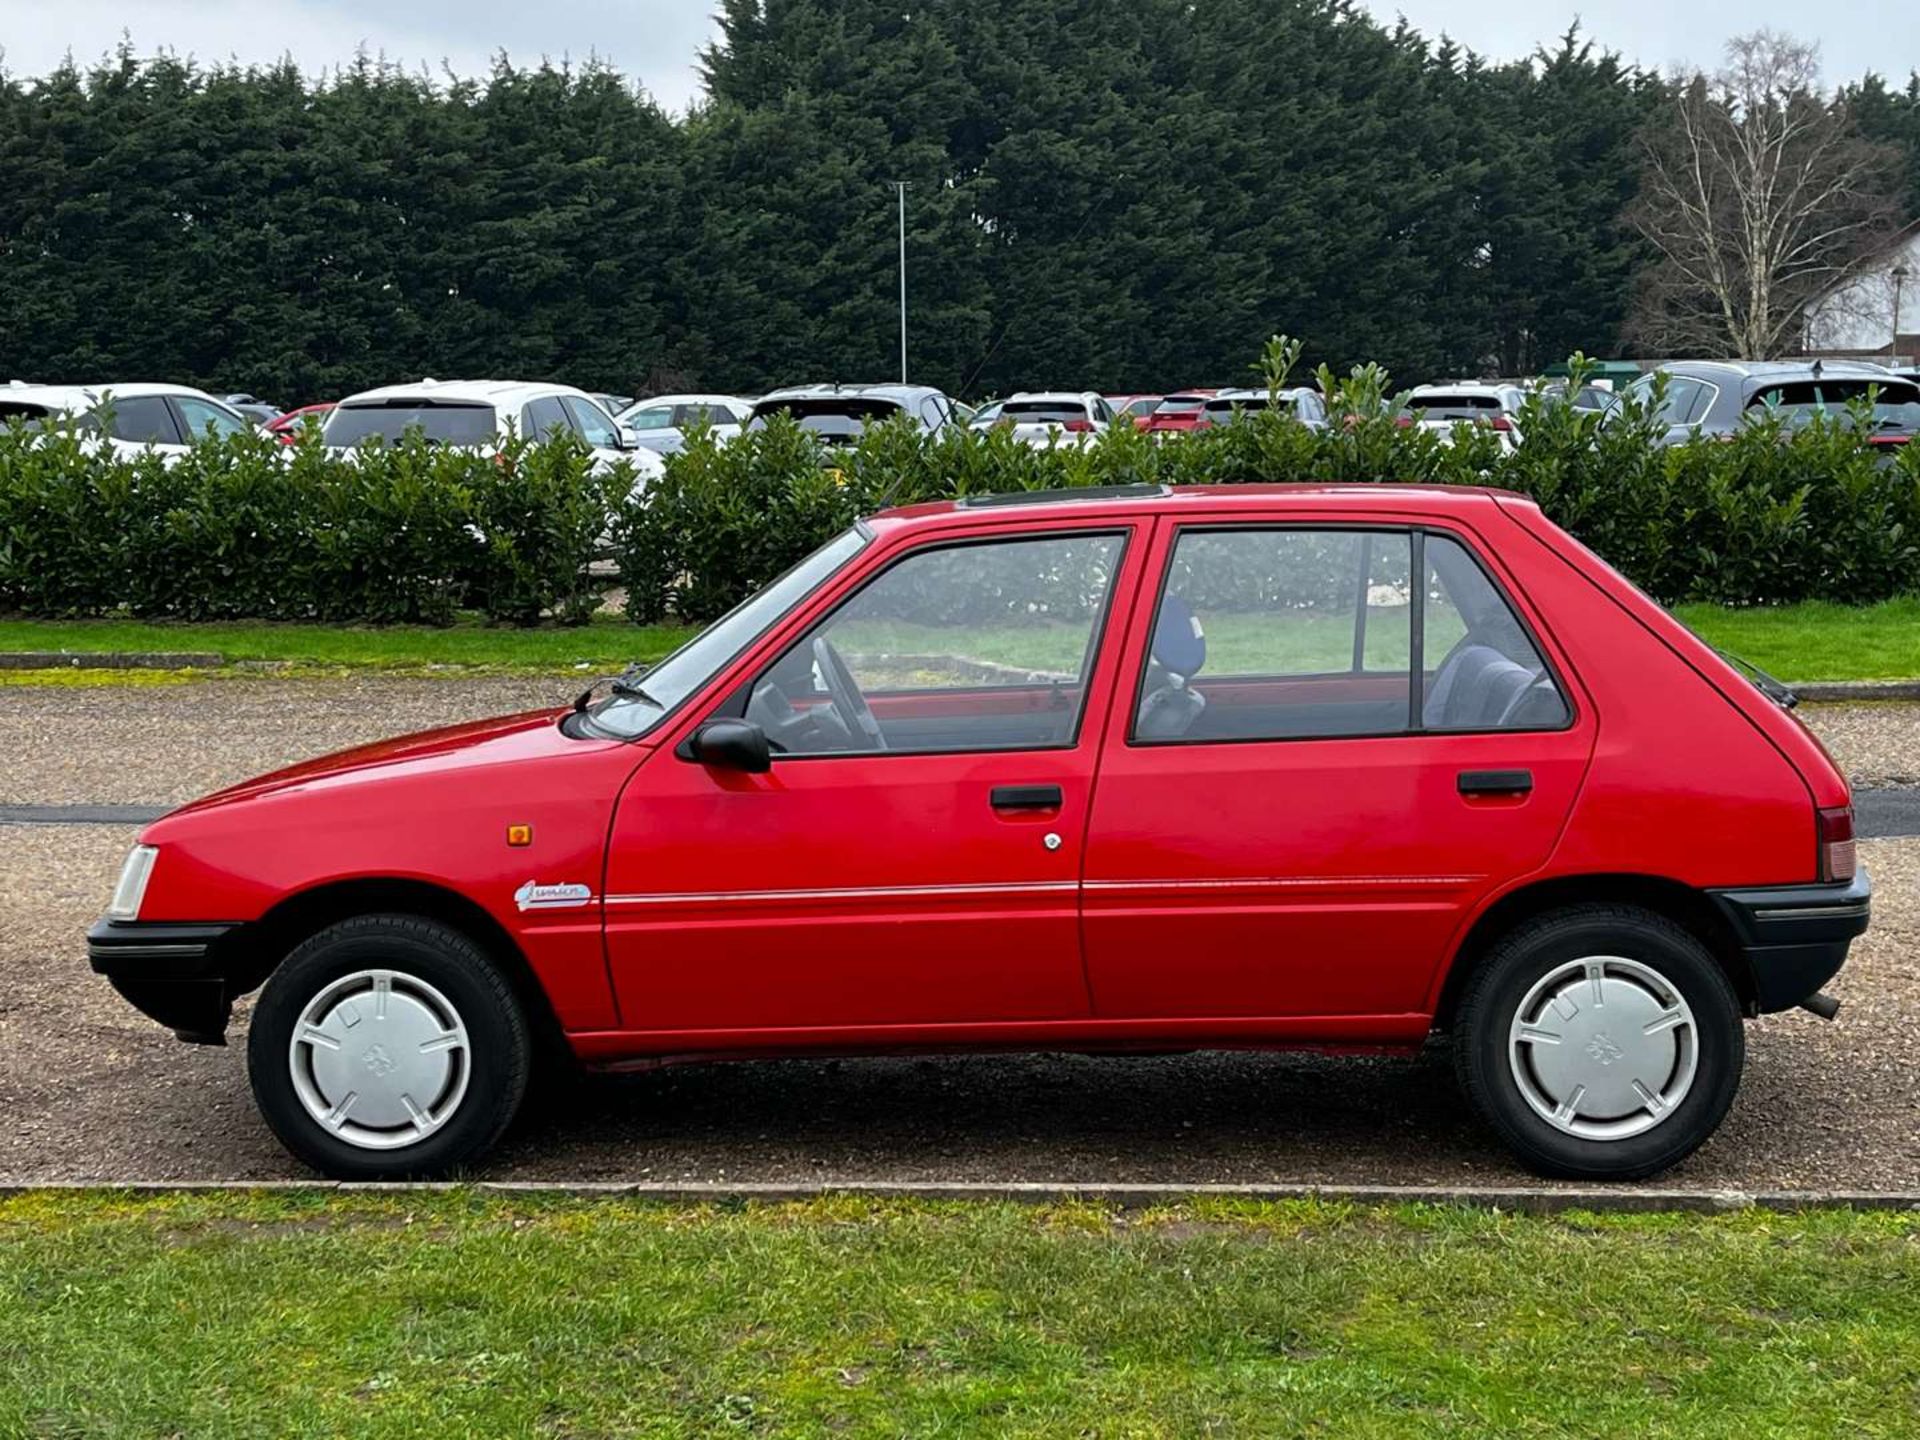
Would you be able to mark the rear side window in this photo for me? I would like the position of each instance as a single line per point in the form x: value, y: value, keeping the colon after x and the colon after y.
x: 450, y: 423
x: 1276, y: 634
x: 144, y: 420
x: 1286, y: 634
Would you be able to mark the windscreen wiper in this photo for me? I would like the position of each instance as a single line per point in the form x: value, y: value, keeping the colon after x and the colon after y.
x: 625, y: 683
x: 1777, y: 691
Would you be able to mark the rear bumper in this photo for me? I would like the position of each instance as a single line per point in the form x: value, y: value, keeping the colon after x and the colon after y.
x: 1795, y: 937
x: 176, y: 974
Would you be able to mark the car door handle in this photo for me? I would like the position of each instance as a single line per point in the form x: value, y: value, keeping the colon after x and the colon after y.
x: 1496, y: 782
x: 1027, y: 797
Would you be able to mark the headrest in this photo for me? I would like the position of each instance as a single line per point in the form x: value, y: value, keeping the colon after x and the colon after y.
x: 1178, y: 641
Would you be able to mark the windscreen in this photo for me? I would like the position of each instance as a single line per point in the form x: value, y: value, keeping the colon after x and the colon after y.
x: 1453, y: 406
x: 836, y: 419
x: 1044, y: 412
x: 440, y: 422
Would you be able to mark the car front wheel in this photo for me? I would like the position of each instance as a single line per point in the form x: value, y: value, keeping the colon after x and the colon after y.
x: 1602, y: 1042
x: 388, y: 1047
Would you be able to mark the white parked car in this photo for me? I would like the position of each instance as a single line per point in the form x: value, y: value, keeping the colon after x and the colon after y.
x: 477, y: 413
x: 1043, y: 418
x: 131, y: 417
x: 1441, y: 407
x: 660, y: 424
x: 1300, y: 401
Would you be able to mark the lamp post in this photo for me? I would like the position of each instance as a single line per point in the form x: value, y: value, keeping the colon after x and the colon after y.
x: 901, y: 187
x: 1899, y: 280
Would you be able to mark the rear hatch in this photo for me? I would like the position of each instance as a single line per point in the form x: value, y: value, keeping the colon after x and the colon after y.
x: 836, y: 419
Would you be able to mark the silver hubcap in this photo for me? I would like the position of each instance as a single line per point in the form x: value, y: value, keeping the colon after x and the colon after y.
x: 380, y: 1059
x: 1603, y: 1048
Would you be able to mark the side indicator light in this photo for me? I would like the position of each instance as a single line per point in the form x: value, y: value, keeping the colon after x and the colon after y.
x: 519, y: 835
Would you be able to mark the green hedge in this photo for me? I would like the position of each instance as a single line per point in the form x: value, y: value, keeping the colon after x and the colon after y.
x: 242, y: 528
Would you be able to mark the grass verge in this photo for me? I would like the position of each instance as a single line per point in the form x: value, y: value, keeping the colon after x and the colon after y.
x: 469, y: 1313
x: 1812, y: 641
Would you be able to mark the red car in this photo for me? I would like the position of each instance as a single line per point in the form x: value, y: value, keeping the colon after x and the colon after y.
x: 286, y: 428
x: 1178, y: 413
x: 1130, y: 769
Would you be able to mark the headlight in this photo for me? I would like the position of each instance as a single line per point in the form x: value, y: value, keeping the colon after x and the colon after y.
x: 132, y: 888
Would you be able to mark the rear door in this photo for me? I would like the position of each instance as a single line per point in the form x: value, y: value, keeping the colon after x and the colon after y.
x: 1330, y: 743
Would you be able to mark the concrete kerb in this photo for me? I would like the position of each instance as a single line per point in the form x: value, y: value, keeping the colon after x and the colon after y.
x: 1531, y: 1200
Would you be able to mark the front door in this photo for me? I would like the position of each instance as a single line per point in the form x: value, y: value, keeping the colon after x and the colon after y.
x: 912, y: 857
x: 1337, y: 741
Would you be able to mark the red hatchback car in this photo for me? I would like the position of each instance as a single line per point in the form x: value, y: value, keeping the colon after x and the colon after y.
x: 1134, y: 769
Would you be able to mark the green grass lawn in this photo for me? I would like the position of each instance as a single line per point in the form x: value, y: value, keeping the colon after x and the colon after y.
x: 464, y: 1313
x: 1796, y: 642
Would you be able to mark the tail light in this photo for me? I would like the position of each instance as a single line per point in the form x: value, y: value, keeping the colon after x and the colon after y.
x: 1078, y: 427
x: 1501, y: 423
x: 1836, y: 843
x: 1405, y: 422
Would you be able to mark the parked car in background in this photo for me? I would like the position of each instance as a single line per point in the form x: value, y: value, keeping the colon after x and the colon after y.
x: 132, y: 416
x: 1301, y: 402
x: 1045, y: 418
x: 1177, y: 414
x: 1440, y: 408
x: 1593, y: 399
x: 660, y: 423
x: 612, y: 404
x: 840, y: 414
x: 1707, y: 398
x: 1130, y: 409
x: 254, y: 408
x: 477, y: 413
x: 286, y: 428
x: 1337, y: 767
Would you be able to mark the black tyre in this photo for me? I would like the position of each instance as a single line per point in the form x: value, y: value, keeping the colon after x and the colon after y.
x: 388, y: 1047
x: 1602, y: 1042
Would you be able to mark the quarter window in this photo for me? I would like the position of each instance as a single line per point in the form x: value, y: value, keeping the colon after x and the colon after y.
x: 970, y: 647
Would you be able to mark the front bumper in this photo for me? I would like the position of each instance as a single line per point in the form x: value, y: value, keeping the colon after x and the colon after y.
x: 176, y: 974
x: 1795, y: 937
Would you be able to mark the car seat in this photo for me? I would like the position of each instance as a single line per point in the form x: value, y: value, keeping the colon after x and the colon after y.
x: 1180, y: 650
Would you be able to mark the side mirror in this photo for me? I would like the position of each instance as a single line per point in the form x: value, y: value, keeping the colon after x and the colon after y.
x: 733, y: 745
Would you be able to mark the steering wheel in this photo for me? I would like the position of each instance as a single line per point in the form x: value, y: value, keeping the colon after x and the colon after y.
x: 845, y: 693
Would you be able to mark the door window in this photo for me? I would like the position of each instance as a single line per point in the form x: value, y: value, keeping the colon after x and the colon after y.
x: 142, y: 419
x: 1280, y: 634
x: 596, y: 428
x: 544, y: 416
x: 197, y: 417
x: 982, y: 646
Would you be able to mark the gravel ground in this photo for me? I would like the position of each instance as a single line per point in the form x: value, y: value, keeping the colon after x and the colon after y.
x: 93, y: 1091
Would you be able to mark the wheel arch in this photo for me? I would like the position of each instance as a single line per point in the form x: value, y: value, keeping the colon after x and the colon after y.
x: 293, y: 919
x: 1682, y: 904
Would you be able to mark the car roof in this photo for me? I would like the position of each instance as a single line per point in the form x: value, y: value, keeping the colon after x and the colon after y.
x: 85, y: 397
x: 1261, y: 393
x: 1077, y: 397
x: 1464, y: 387
x: 899, y: 394
x: 467, y: 392
x: 1758, y: 372
x: 653, y: 400
x: 1129, y: 500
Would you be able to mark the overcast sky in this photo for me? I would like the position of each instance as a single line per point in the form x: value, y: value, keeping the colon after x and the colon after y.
x: 656, y: 40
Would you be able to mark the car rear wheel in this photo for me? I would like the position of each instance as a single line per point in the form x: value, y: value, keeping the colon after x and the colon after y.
x: 388, y: 1047
x: 1602, y: 1043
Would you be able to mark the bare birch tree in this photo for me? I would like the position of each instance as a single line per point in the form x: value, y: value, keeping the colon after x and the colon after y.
x: 1759, y: 194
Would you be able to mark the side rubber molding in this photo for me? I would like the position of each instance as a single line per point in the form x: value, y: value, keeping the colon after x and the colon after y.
x: 170, y: 973
x: 1795, y: 937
